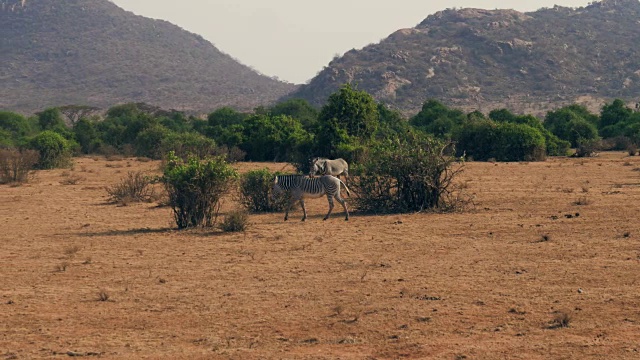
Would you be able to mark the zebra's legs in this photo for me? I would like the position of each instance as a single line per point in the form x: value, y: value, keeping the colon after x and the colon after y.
x: 304, y: 210
x: 289, y: 205
x: 330, y: 199
x: 344, y: 206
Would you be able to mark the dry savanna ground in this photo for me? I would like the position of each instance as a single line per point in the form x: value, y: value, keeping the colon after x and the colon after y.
x: 546, y: 265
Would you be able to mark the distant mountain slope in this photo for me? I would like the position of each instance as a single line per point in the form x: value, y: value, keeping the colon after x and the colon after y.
x: 482, y: 59
x: 91, y: 52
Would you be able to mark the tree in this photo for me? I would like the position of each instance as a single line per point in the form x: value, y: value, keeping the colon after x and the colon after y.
x: 614, y: 113
x: 54, y: 149
x: 392, y: 124
x: 50, y: 119
x: 568, y: 124
x: 437, y: 119
x: 14, y: 128
x: 225, y: 116
x: 86, y: 135
x: 273, y: 138
x: 298, y: 109
x: 352, y: 110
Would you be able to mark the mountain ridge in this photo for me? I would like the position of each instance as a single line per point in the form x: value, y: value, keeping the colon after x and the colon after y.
x: 479, y: 59
x: 91, y: 52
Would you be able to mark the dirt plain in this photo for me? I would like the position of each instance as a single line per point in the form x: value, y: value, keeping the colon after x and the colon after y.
x: 546, y: 244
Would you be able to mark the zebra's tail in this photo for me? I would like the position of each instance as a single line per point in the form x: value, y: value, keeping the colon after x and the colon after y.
x: 345, y: 187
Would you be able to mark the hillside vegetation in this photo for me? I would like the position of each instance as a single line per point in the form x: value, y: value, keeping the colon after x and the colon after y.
x: 91, y: 52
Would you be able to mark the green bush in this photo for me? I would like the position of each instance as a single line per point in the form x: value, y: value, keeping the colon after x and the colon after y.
x: 256, y: 192
x: 195, y: 188
x: 87, y: 136
x: 273, y: 138
x: 188, y: 144
x: 477, y: 139
x: 16, y: 124
x: 505, y: 141
x: 54, y: 149
x: 517, y: 142
x: 148, y: 142
x: 406, y: 176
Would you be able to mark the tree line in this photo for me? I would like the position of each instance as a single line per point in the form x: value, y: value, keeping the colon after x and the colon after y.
x: 349, y: 125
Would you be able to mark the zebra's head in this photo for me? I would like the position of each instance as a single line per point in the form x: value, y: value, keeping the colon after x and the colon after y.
x: 317, y: 166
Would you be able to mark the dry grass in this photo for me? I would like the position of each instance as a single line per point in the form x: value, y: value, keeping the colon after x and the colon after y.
x: 482, y: 284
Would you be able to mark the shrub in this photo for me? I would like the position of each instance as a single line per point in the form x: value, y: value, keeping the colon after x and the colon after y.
x: 195, y: 188
x: 235, y: 221
x: 405, y: 176
x: 517, y: 142
x: 15, y: 165
x: 148, y: 142
x: 55, y: 150
x: 618, y: 143
x: 188, y: 144
x: 504, y: 141
x: 256, y: 192
x: 588, y: 148
x: 135, y: 187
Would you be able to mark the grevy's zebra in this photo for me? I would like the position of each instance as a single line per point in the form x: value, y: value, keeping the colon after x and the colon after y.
x: 299, y: 187
x: 324, y: 166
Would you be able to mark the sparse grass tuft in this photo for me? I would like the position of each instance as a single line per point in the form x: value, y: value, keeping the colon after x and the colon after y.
x: 235, y: 221
x: 70, y: 251
x: 135, y: 187
x: 70, y: 179
x: 103, y: 295
x: 561, y: 319
x: 545, y: 238
x: 583, y: 200
x: 62, y: 267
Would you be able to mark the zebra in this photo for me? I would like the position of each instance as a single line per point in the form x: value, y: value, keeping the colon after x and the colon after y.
x: 299, y: 187
x: 325, y: 166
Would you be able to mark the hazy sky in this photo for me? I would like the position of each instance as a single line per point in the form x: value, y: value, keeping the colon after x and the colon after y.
x: 294, y: 39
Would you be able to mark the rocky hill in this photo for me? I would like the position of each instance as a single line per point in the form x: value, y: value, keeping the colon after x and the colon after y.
x: 485, y: 59
x: 91, y: 52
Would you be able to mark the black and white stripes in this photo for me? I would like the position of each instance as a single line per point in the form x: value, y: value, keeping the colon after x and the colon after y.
x: 299, y: 187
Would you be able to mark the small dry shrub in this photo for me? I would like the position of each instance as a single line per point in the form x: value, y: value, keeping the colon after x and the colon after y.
x: 583, y: 200
x: 70, y: 251
x: 62, y: 267
x: 16, y: 165
x: 632, y: 150
x: 135, y: 187
x: 235, y: 221
x: 588, y: 148
x: 544, y: 238
x: 103, y: 295
x: 71, y: 179
x: 561, y: 319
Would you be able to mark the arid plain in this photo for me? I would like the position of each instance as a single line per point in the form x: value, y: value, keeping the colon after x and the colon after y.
x: 544, y: 265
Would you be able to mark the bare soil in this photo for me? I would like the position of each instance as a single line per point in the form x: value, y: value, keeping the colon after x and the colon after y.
x: 546, y: 265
